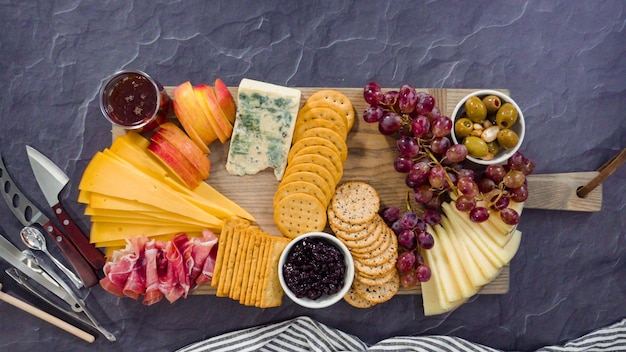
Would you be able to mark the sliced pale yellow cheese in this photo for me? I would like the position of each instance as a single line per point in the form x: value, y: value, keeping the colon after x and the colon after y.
x: 488, y: 268
x: 496, y: 221
x: 475, y: 235
x: 466, y: 287
x: 143, y: 217
x: 105, y: 232
x: 103, y: 201
x: 470, y: 264
x: 132, y: 149
x: 105, y: 175
x: 433, y: 295
x: 450, y: 291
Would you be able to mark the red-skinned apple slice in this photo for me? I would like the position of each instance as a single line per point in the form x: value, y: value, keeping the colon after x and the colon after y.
x: 176, y: 162
x: 180, y: 141
x: 225, y: 100
x: 208, y: 114
x: 191, y: 116
x: 218, y: 115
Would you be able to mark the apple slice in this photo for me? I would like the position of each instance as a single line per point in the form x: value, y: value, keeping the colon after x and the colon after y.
x: 225, y: 100
x: 191, y: 116
x: 176, y: 162
x: 218, y: 114
x: 180, y: 141
x: 208, y: 113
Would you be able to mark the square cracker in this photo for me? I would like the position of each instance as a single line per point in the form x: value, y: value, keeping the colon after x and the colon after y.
x: 272, y: 292
x: 231, y: 259
x: 242, y: 251
x: 259, y: 245
x: 262, y: 266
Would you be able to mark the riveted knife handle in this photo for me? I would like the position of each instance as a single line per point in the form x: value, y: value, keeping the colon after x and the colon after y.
x: 94, y: 257
x: 80, y: 265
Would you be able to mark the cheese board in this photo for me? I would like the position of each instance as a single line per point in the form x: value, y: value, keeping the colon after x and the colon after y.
x: 370, y: 159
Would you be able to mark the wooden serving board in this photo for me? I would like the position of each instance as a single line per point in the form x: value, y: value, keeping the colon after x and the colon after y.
x: 370, y: 159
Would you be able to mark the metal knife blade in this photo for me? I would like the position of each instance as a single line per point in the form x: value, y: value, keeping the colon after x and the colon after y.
x: 17, y: 259
x: 52, y: 180
x: 28, y: 214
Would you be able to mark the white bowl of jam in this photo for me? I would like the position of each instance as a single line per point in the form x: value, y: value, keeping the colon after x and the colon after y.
x: 316, y: 270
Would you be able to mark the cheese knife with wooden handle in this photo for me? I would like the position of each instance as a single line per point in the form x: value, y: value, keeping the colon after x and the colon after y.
x: 52, y: 180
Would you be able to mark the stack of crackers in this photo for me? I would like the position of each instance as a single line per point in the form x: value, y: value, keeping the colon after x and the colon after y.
x: 353, y: 217
x: 245, y: 267
x: 314, y: 164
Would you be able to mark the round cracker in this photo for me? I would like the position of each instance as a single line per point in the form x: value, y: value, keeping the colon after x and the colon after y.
x: 378, y: 293
x: 326, y: 133
x: 337, y: 224
x: 309, y: 112
x: 338, y: 99
x: 390, y: 254
x: 299, y: 213
x: 366, y: 231
x: 388, y: 239
x: 302, y: 127
x: 325, y: 152
x: 375, y: 281
x: 314, y: 178
x: 377, y: 270
x: 299, y: 187
x: 313, y: 141
x: 355, y: 202
x: 356, y: 300
x: 316, y: 169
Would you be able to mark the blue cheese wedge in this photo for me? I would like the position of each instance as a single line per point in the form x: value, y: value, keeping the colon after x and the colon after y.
x: 266, y: 118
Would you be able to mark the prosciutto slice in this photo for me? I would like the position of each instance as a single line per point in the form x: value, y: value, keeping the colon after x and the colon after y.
x: 157, y: 269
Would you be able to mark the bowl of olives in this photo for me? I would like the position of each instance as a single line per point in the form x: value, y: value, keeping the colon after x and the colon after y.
x: 490, y: 124
x: 316, y: 270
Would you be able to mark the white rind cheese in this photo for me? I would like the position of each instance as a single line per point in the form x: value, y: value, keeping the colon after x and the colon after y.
x: 266, y: 118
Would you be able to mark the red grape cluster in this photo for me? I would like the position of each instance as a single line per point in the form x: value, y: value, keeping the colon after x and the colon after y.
x: 436, y: 170
x: 413, y: 236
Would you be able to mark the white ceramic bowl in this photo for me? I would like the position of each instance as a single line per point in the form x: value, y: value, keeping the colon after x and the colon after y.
x: 519, y: 127
x: 325, y: 300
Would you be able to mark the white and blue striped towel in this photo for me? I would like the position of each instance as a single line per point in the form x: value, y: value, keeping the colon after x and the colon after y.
x: 305, y: 334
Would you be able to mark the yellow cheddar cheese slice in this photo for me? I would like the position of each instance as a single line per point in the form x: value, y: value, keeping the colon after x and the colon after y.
x: 106, y: 175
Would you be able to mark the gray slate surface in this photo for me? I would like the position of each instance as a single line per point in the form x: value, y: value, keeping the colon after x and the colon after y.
x: 563, y: 62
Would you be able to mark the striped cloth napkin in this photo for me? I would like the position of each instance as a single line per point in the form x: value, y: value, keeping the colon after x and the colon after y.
x: 305, y: 334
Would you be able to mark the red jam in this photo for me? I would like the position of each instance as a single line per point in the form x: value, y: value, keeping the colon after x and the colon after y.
x: 133, y: 100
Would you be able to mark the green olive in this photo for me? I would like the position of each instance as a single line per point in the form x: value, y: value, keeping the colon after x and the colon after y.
x: 475, y: 109
x: 506, y: 115
x: 493, y: 147
x: 492, y: 103
x: 476, y: 147
x: 463, y: 127
x: 507, y: 138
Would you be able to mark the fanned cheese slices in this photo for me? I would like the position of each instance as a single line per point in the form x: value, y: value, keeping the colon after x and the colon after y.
x: 466, y: 256
x: 128, y: 192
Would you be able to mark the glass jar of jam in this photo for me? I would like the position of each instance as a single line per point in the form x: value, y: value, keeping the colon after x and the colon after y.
x: 133, y: 100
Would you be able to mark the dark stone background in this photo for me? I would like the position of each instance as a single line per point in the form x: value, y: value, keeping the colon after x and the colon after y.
x: 563, y: 62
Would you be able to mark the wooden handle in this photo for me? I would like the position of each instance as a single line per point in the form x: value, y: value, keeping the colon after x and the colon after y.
x: 77, y: 237
x: 46, y: 317
x: 80, y: 265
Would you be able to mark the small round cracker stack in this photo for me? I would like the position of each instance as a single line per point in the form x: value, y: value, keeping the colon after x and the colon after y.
x: 317, y: 154
x: 353, y: 217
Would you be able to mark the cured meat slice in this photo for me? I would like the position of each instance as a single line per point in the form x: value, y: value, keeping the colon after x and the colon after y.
x: 157, y: 269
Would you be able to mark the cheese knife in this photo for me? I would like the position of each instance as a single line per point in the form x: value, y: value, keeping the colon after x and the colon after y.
x: 52, y: 180
x: 28, y: 214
